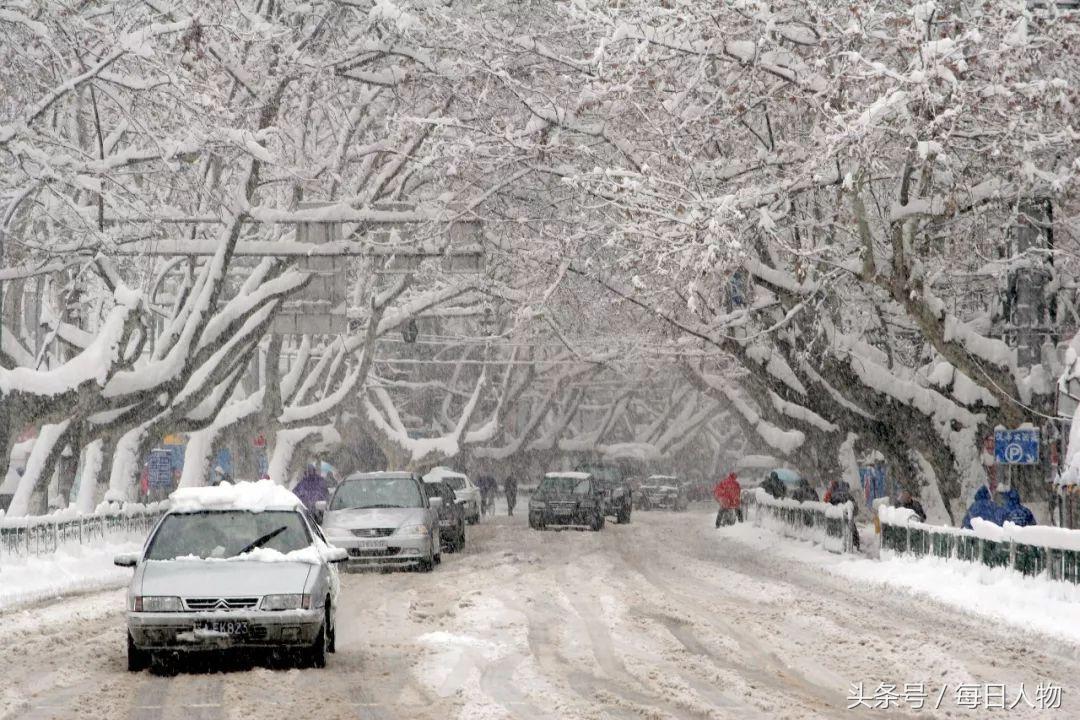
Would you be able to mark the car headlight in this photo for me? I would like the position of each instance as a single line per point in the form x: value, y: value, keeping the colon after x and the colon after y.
x: 286, y: 602
x: 157, y: 603
x: 412, y: 530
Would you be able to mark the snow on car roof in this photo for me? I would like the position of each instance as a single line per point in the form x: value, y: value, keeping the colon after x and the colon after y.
x: 662, y: 477
x: 378, y: 474
x: 438, y: 473
x: 244, y: 495
x: 572, y: 475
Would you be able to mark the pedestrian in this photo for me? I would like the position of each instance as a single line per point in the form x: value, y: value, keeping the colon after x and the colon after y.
x: 487, y: 493
x: 842, y: 494
x: 311, y: 488
x: 774, y: 486
x: 1014, y: 511
x: 803, y: 492
x: 728, y: 494
x: 983, y: 507
x: 907, y: 500
x: 510, y: 488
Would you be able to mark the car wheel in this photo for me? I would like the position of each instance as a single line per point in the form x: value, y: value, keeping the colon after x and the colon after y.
x: 138, y: 660
x: 316, y: 654
x: 598, y: 522
x: 428, y: 563
x: 331, y: 644
x: 460, y: 544
x: 624, y: 516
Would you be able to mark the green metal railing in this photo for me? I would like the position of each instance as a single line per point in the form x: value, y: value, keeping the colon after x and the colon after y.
x: 919, y: 540
x: 814, y: 521
x: 20, y: 537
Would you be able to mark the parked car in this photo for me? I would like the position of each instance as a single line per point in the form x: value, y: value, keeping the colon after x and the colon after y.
x: 238, y: 567
x: 662, y: 492
x: 451, y: 510
x: 384, y: 519
x: 618, y: 497
x: 464, y: 488
x: 568, y: 498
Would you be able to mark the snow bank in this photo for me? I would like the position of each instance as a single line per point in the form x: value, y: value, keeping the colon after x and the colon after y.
x: 1030, y: 603
x: 75, y: 568
x: 831, y: 511
x: 254, y: 496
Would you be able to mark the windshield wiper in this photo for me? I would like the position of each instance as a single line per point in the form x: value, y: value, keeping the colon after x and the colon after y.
x: 368, y: 507
x: 263, y: 540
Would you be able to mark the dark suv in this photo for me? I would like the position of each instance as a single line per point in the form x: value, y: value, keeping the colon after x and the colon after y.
x: 568, y: 498
x: 618, y: 498
x: 451, y: 515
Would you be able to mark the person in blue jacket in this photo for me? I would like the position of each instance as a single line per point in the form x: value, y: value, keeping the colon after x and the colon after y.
x: 984, y: 508
x: 1015, y: 511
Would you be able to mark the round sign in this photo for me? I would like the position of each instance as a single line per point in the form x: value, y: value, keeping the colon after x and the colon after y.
x: 1014, y: 453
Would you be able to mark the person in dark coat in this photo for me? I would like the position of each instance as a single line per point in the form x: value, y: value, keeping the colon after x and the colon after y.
x: 1014, y: 511
x: 908, y: 501
x: 842, y: 494
x: 311, y: 488
x: 983, y: 507
x: 510, y: 488
x: 804, y: 492
x: 487, y: 486
x: 774, y: 486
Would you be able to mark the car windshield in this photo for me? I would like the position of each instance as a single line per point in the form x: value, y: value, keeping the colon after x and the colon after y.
x: 227, y: 533
x: 458, y: 483
x: 377, y: 492
x: 559, y: 485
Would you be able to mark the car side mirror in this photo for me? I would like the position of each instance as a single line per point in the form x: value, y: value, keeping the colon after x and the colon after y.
x: 337, y: 555
x: 435, y: 502
x: 126, y: 559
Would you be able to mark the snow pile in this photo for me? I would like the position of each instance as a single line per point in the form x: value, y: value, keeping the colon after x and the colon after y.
x: 253, y: 496
x: 72, y: 568
x: 310, y: 555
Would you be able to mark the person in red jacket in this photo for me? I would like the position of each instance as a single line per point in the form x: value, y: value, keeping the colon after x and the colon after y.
x: 727, y: 493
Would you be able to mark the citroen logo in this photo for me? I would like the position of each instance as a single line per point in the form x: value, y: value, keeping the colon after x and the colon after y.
x: 221, y: 605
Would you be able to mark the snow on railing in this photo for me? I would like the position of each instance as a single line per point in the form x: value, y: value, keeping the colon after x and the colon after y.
x: 827, y: 525
x: 41, y: 534
x: 1031, y: 550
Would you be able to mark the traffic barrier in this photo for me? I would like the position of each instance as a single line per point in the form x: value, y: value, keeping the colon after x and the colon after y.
x: 42, y: 534
x: 830, y: 526
x: 1035, y: 550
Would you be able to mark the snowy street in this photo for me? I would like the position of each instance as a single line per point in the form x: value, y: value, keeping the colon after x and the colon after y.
x: 663, y: 618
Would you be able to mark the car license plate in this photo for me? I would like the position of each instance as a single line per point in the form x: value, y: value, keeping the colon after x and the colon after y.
x: 229, y: 627
x: 371, y: 544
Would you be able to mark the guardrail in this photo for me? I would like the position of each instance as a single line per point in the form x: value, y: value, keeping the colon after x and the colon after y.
x: 831, y: 526
x: 1029, y: 550
x: 38, y: 535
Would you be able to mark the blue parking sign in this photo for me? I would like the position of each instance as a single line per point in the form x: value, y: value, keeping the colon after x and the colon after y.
x: 1016, y: 447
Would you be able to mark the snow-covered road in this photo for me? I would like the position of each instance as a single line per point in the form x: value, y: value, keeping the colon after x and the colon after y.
x: 664, y: 618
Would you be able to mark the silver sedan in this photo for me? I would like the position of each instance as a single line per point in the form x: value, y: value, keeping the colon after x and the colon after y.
x: 218, y: 579
x: 383, y: 519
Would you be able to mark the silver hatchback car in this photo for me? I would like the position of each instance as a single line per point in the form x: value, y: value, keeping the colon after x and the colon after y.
x: 384, y: 519
x: 215, y: 577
